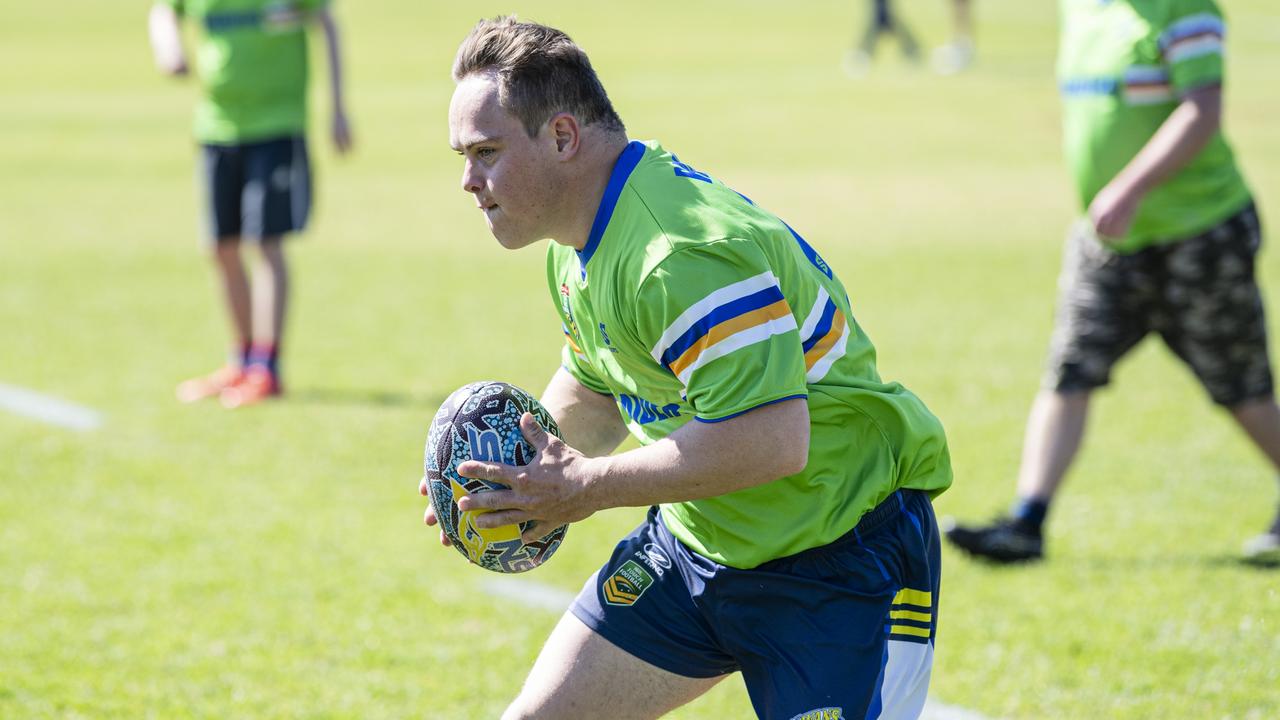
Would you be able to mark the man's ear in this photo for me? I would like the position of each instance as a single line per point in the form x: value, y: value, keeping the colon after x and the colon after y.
x: 567, y: 134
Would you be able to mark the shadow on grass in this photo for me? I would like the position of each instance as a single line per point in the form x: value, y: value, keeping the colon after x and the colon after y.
x: 366, y: 398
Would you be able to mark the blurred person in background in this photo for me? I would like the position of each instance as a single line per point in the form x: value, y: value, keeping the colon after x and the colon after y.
x: 1167, y: 245
x: 251, y: 126
x: 884, y: 21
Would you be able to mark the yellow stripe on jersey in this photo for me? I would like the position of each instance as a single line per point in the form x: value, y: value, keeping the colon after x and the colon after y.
x: 729, y: 328
x: 827, y: 342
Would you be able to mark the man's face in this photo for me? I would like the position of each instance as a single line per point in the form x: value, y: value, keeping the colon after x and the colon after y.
x: 511, y: 175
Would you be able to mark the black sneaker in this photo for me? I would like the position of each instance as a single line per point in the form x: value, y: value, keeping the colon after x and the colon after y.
x: 1004, y: 541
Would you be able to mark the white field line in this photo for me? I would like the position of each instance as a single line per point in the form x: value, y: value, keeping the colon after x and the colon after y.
x: 48, y: 409
x: 553, y: 599
x: 531, y: 593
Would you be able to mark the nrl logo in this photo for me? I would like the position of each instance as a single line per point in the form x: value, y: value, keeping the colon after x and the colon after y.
x: 625, y: 586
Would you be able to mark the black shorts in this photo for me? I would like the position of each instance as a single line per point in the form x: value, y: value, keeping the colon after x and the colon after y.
x: 256, y: 190
x: 1199, y: 294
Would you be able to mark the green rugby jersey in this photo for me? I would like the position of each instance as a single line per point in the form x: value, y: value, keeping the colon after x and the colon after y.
x: 690, y: 303
x: 1123, y: 66
x: 252, y: 63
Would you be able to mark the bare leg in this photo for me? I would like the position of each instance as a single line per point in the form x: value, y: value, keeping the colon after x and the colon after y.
x: 236, y: 298
x: 270, y: 293
x: 579, y: 675
x: 235, y: 288
x: 961, y: 19
x: 1054, y: 431
x: 1260, y: 420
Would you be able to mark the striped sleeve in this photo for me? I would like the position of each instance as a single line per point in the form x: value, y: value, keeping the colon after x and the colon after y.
x: 715, y: 317
x: 1191, y: 45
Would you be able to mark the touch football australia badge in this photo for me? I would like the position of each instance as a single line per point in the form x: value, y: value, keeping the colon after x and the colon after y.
x: 627, y: 584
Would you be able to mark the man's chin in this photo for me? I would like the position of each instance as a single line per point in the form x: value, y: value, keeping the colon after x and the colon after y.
x: 511, y: 242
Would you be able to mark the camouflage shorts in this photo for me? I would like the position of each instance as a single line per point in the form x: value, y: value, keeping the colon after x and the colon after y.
x: 1199, y: 294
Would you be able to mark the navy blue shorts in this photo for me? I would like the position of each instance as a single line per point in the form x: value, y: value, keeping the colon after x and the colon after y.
x: 257, y: 190
x: 846, y: 628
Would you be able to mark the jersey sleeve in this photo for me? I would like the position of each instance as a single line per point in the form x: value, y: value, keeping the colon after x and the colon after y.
x: 715, y: 317
x: 572, y: 359
x: 1191, y: 45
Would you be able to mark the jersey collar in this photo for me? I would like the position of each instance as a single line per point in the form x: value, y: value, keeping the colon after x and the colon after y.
x: 626, y: 163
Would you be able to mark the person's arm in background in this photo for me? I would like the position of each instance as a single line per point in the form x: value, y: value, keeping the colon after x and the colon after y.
x: 163, y: 27
x: 1182, y: 136
x: 340, y: 128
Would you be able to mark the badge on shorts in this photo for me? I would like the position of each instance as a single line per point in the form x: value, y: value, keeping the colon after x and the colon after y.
x: 627, y: 584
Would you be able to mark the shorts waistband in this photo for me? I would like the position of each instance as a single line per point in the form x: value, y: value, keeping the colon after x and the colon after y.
x: 881, y: 513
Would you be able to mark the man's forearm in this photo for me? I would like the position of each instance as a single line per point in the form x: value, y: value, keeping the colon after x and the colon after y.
x: 703, y: 460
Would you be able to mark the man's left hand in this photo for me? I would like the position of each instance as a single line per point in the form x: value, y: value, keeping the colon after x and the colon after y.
x: 550, y: 490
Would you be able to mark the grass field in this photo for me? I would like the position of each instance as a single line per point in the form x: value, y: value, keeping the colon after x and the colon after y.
x: 190, y: 562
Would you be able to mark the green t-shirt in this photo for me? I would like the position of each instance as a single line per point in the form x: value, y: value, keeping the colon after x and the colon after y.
x: 252, y: 62
x: 1123, y: 66
x: 691, y: 303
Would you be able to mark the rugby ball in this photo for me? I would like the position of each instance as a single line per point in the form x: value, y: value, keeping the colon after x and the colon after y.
x: 481, y: 421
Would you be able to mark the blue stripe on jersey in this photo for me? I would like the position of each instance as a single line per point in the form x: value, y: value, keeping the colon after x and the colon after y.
x: 224, y: 21
x: 824, y: 326
x: 810, y: 253
x: 744, y: 412
x: 1192, y: 25
x: 622, y: 169
x: 728, y: 311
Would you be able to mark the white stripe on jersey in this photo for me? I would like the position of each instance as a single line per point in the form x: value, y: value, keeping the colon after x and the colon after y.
x: 811, y: 320
x: 699, y: 310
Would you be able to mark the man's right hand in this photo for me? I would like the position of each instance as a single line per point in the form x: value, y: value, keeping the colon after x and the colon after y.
x: 430, y: 516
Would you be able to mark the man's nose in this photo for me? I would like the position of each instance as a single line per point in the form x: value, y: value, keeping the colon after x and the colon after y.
x: 471, y: 181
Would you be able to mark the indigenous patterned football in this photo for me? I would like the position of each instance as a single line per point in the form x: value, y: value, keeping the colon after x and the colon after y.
x: 481, y: 421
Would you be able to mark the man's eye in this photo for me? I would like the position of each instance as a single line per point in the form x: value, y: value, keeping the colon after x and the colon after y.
x: 485, y: 153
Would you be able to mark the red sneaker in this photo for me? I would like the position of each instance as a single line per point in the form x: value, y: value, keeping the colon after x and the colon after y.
x: 256, y: 385
x: 210, y: 385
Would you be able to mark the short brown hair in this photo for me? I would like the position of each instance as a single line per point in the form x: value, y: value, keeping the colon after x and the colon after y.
x: 540, y: 72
